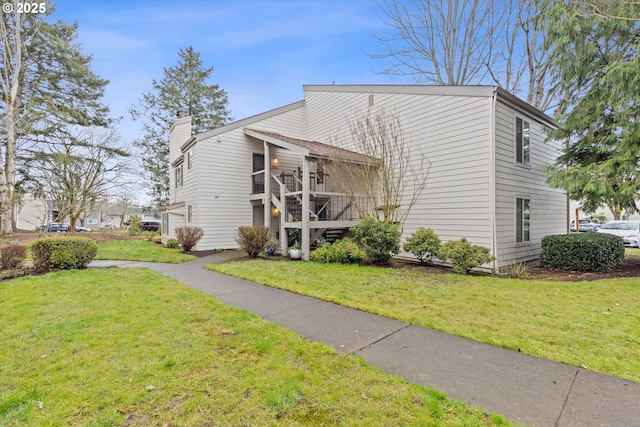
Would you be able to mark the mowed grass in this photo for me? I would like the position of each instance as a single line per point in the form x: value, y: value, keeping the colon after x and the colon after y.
x: 595, y: 324
x: 140, y: 250
x: 116, y: 347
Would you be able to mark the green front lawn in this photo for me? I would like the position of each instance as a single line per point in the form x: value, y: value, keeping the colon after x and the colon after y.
x: 116, y: 347
x: 595, y: 325
x: 140, y: 250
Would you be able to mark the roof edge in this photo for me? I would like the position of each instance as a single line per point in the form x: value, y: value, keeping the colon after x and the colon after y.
x: 479, y: 90
x: 249, y: 120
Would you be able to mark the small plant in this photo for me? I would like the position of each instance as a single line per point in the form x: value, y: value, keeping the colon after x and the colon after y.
x: 424, y: 244
x: 252, y: 240
x: 321, y: 241
x: 271, y: 246
x: 63, y: 253
x: 296, y: 245
x: 12, y: 256
x: 464, y: 256
x: 343, y: 251
x: 173, y: 244
x: 218, y: 250
x: 134, y: 225
x: 150, y: 235
x: 518, y: 270
x: 380, y: 240
x: 188, y: 237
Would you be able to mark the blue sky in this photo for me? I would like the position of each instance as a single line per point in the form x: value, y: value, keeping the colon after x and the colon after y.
x: 262, y: 51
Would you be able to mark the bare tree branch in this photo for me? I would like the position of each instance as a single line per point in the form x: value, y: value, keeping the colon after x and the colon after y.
x: 393, y: 182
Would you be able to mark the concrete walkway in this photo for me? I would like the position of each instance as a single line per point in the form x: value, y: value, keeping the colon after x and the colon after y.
x: 523, y: 388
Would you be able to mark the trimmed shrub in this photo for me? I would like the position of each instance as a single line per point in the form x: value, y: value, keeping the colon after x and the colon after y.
x: 63, y: 253
x: 343, y: 251
x: 252, y: 240
x: 582, y: 251
x: 424, y: 244
x: 380, y: 240
x: 464, y: 256
x: 173, y: 244
x: 188, y: 237
x: 12, y: 255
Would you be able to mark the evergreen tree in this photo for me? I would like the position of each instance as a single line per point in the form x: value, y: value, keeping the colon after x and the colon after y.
x: 596, y: 62
x: 183, y: 86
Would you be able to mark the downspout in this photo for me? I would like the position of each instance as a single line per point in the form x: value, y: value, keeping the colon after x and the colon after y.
x: 494, y: 232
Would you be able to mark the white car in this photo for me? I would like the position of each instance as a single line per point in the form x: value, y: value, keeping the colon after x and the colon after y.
x: 628, y: 230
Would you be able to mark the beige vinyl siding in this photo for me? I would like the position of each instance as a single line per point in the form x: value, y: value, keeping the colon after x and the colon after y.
x: 513, y: 180
x: 224, y: 165
x: 454, y: 135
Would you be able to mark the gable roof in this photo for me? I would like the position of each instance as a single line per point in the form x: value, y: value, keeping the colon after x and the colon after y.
x: 313, y: 149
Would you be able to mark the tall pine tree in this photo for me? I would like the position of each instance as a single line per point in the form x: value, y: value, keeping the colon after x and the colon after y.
x: 184, y: 86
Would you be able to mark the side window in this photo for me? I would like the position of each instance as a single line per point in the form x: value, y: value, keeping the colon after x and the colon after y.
x: 523, y: 141
x: 165, y: 223
x: 189, y: 213
x: 523, y: 221
x: 189, y: 159
x: 179, y: 176
x: 257, y: 177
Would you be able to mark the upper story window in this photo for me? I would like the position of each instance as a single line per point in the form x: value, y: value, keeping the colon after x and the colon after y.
x: 523, y: 221
x: 523, y: 141
x: 189, y: 159
x: 178, y: 172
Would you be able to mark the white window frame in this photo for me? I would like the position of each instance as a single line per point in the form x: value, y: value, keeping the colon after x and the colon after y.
x: 179, y: 175
x: 189, y: 159
x: 523, y: 141
x: 523, y: 219
x: 165, y: 223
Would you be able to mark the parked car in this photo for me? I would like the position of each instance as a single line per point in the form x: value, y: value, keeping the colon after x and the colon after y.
x: 83, y: 230
x: 55, y: 227
x: 628, y: 230
x: 149, y: 225
x: 586, y: 224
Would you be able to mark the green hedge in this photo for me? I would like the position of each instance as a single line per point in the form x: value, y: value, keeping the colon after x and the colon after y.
x: 63, y: 253
x: 582, y: 251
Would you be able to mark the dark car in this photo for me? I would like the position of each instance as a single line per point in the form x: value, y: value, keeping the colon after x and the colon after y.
x: 55, y: 227
x: 149, y: 225
x: 586, y: 224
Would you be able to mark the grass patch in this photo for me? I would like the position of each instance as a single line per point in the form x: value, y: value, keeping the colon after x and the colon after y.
x: 132, y: 347
x: 140, y: 250
x: 595, y: 324
x: 632, y: 252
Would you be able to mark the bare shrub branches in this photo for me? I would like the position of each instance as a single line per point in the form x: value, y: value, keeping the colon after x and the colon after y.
x: 392, y: 182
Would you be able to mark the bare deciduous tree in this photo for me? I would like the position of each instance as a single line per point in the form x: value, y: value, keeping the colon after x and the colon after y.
x: 394, y: 179
x: 461, y: 42
x: 81, y: 168
x: 441, y: 41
